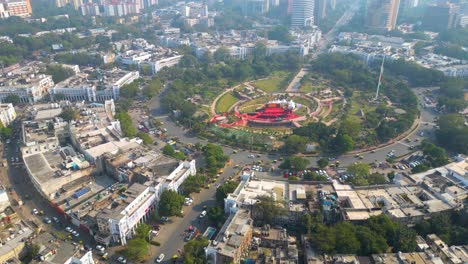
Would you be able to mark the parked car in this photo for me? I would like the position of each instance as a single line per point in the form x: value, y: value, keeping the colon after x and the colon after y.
x: 75, y: 234
x: 68, y: 229
x: 164, y: 219
x: 100, y: 248
x: 47, y: 220
x: 203, y: 214
x: 160, y: 258
x: 56, y: 220
x: 122, y: 260
x: 35, y: 211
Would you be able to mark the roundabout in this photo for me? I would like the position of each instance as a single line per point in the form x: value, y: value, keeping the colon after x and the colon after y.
x: 248, y: 106
x: 323, y: 111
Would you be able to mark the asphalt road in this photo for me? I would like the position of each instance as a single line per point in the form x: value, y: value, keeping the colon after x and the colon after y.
x: 171, y: 234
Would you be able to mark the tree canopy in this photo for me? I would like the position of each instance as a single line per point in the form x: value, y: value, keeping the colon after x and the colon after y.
x: 59, y: 73
x: 194, y: 251
x: 69, y: 114
x: 452, y: 133
x: 225, y: 189
x: 214, y: 157
x: 170, y: 203
x: 126, y: 124
x: 147, y: 140
x: 136, y: 249
x: 369, y: 238
x: 295, y: 163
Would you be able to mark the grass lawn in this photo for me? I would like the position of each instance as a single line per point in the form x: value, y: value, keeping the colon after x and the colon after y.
x: 305, y: 102
x: 225, y: 102
x: 335, y: 111
x: 270, y: 85
x: 358, y: 102
x: 250, y: 106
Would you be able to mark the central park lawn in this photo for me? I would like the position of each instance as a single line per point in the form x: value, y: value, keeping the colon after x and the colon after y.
x: 225, y: 102
x: 276, y: 83
x: 358, y: 102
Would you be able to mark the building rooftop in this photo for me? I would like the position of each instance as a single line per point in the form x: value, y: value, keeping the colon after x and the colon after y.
x: 23, y: 76
x: 248, y: 191
x: 232, y: 233
x: 89, y: 77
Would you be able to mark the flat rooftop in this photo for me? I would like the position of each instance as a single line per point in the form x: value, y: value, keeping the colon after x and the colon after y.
x: 89, y: 77
x: 248, y: 192
x: 48, y: 171
x: 232, y: 233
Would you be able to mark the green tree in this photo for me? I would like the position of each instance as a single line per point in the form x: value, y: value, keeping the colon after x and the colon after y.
x: 371, y: 243
x: 307, y: 223
x: 280, y: 33
x: 351, y: 128
x: 452, y: 133
x: 170, y: 151
x: 147, y: 140
x: 59, y: 73
x: 33, y: 251
x: 435, y: 155
x: 360, y: 172
x: 225, y: 189
x: 136, y: 249
x: 345, y: 237
x: 322, y: 163
x: 193, y: 184
x: 342, y: 143
x: 170, y: 203
x: 214, y: 157
x: 130, y: 90
x: 376, y: 178
x: 194, y: 251
x: 152, y: 88
x: 313, y: 176
x: 324, y: 239
x: 126, y: 124
x: 266, y: 209
x: 295, y: 163
x: 405, y: 240
x: 216, y: 215
x: 69, y: 114
x: 142, y: 231
x: 420, y: 168
x: 221, y: 54
x: 295, y: 144
x: 359, y: 169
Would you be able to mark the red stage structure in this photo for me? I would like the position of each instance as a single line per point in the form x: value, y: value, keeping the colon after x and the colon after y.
x: 274, y: 113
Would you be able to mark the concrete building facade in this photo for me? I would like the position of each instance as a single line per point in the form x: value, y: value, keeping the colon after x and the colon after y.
x: 382, y: 14
x: 302, y: 13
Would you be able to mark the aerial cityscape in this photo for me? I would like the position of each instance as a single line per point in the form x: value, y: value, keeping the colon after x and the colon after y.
x: 234, y: 131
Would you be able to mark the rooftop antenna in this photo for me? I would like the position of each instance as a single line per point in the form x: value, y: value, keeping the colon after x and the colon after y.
x: 380, y: 79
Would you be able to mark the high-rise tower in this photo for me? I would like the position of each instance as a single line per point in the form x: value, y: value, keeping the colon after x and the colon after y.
x: 382, y: 14
x: 302, y: 13
x: 320, y: 10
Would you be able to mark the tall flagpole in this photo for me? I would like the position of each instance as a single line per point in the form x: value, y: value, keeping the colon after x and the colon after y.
x: 380, y: 79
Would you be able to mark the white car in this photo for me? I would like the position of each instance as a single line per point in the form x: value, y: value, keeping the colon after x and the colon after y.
x: 75, y: 234
x: 160, y: 258
x: 68, y: 229
x: 100, y: 248
x: 35, y: 212
x: 122, y: 260
x: 203, y: 214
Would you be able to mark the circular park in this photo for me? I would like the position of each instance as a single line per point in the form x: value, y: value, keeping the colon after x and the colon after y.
x: 331, y: 105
